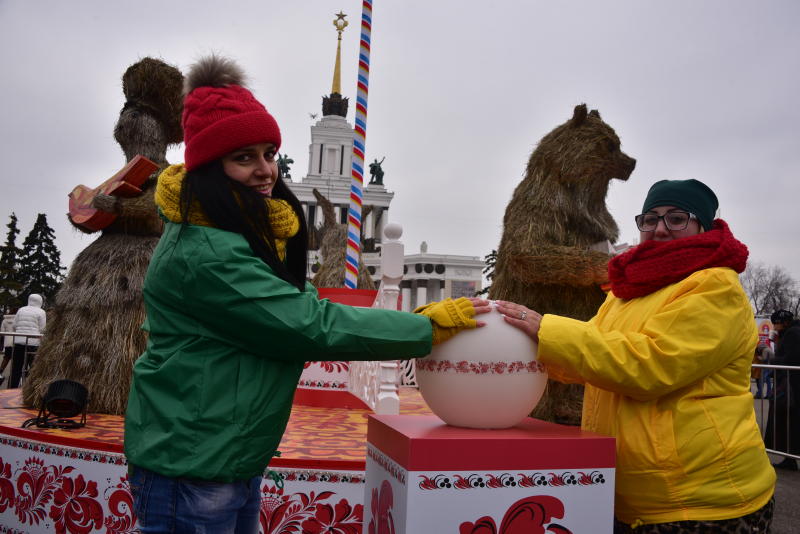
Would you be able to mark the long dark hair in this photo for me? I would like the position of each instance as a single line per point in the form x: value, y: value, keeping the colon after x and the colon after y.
x: 234, y: 207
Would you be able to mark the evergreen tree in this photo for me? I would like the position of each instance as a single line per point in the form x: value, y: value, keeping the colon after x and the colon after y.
x: 40, y: 263
x: 10, y: 285
x: 491, y: 260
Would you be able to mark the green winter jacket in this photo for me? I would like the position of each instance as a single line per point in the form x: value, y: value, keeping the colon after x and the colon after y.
x: 212, y: 393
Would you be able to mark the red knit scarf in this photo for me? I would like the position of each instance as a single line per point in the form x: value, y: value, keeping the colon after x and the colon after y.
x: 655, y: 264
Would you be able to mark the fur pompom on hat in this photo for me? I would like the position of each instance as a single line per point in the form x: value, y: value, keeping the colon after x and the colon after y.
x: 691, y: 195
x: 220, y: 114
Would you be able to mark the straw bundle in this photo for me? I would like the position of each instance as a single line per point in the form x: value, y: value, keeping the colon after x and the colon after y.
x: 332, y: 241
x: 157, y: 89
x: 93, y: 334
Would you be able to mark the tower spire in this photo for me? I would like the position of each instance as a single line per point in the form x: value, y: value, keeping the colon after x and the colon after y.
x: 340, y: 24
x: 335, y: 104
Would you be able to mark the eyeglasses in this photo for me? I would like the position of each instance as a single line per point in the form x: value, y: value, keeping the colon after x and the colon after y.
x: 673, y: 220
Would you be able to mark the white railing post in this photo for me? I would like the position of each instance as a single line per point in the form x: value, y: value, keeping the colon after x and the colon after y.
x: 392, y: 256
x: 376, y: 383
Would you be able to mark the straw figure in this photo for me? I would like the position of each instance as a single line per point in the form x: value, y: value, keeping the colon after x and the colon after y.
x: 94, y: 331
x: 557, y: 230
x: 332, y: 240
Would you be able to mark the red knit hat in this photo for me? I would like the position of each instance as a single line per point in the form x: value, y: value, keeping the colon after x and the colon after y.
x: 219, y: 115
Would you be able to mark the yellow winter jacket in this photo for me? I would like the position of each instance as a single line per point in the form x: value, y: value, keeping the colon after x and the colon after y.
x: 668, y: 375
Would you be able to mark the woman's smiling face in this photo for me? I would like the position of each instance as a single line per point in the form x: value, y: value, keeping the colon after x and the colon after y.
x: 255, y: 166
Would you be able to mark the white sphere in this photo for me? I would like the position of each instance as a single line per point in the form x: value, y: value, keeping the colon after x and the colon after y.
x: 483, y: 378
x: 393, y: 231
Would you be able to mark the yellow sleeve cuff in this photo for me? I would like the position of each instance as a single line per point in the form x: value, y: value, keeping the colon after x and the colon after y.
x: 448, y: 317
x: 552, y: 330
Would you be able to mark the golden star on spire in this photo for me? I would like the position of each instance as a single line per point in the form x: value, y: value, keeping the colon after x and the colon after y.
x: 340, y: 24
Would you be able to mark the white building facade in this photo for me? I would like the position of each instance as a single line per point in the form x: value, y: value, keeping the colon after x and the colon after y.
x: 428, y: 276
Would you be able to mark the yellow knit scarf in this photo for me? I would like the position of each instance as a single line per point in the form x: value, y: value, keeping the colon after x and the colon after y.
x: 282, y: 218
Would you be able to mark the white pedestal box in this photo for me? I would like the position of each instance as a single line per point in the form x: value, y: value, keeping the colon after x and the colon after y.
x: 423, y: 476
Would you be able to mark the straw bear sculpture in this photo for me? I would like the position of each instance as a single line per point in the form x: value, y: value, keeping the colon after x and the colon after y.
x: 554, y: 250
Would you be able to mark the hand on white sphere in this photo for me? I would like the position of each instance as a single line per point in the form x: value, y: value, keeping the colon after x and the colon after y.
x: 481, y: 306
x: 521, y: 317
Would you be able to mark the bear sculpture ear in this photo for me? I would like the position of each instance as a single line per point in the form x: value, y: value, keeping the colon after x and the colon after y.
x: 579, y: 115
x: 594, y: 113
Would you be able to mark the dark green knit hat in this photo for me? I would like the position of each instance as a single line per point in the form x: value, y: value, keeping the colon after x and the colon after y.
x: 691, y: 195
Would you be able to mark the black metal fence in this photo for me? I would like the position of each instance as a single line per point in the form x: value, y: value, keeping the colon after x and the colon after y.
x: 19, y: 352
x: 777, y: 392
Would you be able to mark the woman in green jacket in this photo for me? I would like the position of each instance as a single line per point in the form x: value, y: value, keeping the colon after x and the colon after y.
x: 666, y: 364
x: 231, y: 319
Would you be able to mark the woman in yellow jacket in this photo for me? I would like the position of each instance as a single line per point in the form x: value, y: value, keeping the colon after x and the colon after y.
x: 666, y: 364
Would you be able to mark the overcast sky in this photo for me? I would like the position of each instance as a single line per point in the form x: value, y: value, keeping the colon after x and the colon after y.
x: 460, y: 93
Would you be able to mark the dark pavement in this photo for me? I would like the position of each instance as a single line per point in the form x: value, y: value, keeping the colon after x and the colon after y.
x: 787, y: 501
x: 787, y: 491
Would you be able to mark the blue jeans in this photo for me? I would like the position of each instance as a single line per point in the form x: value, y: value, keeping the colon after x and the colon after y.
x: 766, y: 376
x: 190, y: 506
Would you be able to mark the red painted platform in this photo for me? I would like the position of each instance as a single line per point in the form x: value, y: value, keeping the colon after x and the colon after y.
x: 424, y: 443
x: 55, y: 481
x: 339, y: 434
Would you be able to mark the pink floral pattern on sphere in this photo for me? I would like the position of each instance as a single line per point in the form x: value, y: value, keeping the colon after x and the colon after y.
x: 479, y: 368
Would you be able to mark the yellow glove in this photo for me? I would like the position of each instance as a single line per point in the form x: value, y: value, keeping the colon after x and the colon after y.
x: 448, y: 317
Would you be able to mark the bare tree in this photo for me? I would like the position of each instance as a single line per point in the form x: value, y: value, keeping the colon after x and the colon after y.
x: 795, y: 305
x: 770, y: 288
x: 753, y: 281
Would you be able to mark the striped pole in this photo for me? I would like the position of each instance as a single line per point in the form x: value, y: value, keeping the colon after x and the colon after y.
x: 359, y: 144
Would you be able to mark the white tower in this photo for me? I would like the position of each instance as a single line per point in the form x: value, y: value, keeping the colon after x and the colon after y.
x: 330, y: 160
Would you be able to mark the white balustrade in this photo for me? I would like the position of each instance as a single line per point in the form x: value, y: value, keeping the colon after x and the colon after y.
x: 376, y: 383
